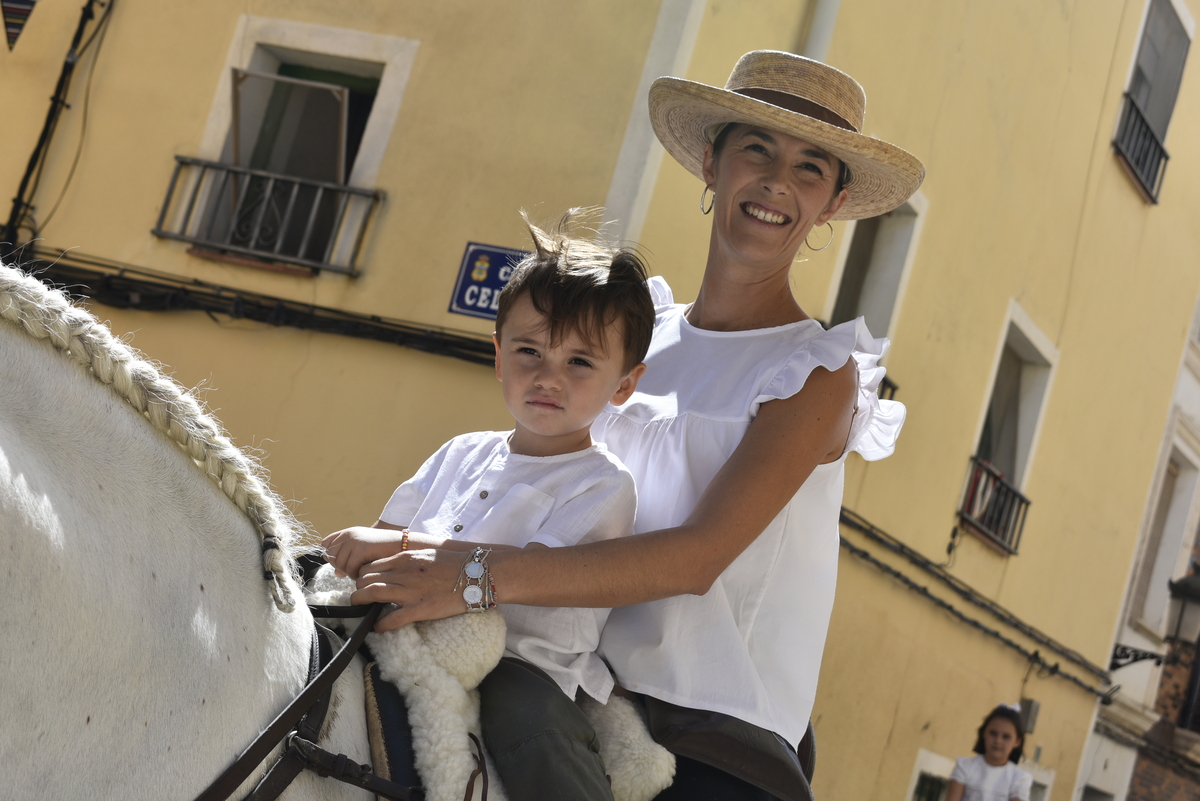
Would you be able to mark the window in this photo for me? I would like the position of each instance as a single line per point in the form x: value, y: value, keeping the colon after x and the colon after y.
x: 875, y: 267
x: 1167, y: 544
x: 993, y: 505
x: 1150, y: 98
x: 930, y: 775
x: 930, y: 788
x: 1092, y: 794
x: 294, y: 142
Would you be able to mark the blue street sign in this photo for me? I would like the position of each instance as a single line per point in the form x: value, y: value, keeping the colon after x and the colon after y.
x: 483, y: 273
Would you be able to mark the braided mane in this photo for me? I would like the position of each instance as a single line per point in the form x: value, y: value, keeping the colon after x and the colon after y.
x: 50, y: 315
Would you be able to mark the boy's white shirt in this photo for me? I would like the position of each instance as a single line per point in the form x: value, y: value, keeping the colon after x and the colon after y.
x: 476, y: 485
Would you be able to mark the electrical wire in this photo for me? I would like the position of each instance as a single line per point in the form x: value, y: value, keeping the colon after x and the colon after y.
x: 130, y: 287
x: 1033, y: 656
x: 855, y: 521
x: 100, y: 31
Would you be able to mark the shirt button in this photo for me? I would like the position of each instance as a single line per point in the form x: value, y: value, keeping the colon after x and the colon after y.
x: 483, y: 494
x: 458, y: 526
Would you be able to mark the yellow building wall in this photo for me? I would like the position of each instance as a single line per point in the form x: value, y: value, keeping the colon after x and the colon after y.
x: 1012, y: 107
x: 510, y: 104
x: 481, y: 133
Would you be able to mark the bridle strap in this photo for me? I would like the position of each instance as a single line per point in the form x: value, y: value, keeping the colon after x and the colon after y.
x: 225, y: 784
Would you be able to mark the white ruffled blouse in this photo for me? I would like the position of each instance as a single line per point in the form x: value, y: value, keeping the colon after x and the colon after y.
x: 751, y: 646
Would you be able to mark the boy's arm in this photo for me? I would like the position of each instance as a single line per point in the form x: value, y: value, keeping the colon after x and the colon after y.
x: 351, y: 548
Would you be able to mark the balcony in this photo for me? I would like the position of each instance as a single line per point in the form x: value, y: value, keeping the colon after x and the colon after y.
x: 992, y: 507
x: 1140, y: 149
x: 266, y: 217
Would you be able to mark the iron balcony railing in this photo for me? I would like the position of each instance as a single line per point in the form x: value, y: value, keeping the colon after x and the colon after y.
x: 887, y: 388
x: 1140, y: 147
x: 264, y: 216
x: 992, y: 506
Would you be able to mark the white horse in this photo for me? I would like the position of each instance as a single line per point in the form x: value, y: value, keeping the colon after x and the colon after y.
x: 142, y: 649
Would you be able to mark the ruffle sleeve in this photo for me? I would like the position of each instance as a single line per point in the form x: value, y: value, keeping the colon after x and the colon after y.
x: 660, y: 292
x: 877, y: 422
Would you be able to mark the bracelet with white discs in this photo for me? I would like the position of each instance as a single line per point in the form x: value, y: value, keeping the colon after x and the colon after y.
x: 477, y: 582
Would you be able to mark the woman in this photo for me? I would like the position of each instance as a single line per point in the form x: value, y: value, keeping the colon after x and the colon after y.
x: 737, y: 438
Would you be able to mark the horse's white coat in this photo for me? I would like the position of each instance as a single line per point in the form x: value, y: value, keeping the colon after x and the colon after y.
x: 141, y: 650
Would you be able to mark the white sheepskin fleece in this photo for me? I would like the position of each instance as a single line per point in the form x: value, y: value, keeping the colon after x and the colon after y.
x: 437, y: 667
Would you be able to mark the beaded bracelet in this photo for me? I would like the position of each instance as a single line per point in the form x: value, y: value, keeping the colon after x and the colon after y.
x: 404, y: 541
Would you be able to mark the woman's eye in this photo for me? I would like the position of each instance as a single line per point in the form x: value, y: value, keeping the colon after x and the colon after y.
x: 812, y: 167
x: 757, y: 148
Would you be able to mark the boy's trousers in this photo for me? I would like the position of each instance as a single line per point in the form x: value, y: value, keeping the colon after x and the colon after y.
x: 543, y: 746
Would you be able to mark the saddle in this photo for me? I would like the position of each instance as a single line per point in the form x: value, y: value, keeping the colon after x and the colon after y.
x: 423, y: 714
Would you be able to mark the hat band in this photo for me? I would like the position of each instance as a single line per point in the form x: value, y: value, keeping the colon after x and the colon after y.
x: 799, y: 105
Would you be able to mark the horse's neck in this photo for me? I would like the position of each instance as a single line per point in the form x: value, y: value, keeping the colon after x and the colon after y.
x: 139, y: 632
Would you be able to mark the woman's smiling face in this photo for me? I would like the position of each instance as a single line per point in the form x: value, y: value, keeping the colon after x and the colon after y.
x: 771, y: 189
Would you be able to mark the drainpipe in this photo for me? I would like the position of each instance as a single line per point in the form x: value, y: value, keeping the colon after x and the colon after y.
x: 820, y: 29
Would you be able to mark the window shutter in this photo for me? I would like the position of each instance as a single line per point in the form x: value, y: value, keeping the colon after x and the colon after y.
x: 1159, y: 67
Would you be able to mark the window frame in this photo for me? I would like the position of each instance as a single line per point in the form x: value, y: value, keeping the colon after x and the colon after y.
x: 1182, y: 446
x: 919, y: 204
x: 1128, y: 107
x: 1024, y: 336
x: 250, y: 49
x: 929, y: 762
x: 261, y: 44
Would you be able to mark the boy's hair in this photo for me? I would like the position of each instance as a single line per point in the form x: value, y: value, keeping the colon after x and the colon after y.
x: 582, y: 286
x: 1012, y: 716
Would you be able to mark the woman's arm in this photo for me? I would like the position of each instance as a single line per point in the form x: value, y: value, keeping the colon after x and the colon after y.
x: 954, y: 791
x: 782, y: 446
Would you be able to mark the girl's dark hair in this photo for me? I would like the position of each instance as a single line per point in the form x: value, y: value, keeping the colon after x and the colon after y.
x: 723, y: 134
x: 1013, y: 717
x: 582, y: 286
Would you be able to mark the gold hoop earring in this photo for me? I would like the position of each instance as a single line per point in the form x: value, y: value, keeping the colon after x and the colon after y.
x: 827, y: 244
x: 711, y: 203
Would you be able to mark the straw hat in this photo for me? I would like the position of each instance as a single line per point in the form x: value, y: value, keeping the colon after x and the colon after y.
x: 793, y: 95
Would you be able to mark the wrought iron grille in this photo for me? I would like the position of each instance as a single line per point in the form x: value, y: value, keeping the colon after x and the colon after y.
x: 887, y: 388
x: 265, y: 216
x: 1141, y: 149
x: 992, y: 506
x: 929, y: 788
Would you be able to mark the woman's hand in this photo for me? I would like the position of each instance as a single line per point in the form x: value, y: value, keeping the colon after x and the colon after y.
x: 420, y: 583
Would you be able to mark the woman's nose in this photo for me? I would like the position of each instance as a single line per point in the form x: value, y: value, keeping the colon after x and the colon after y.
x: 775, y: 176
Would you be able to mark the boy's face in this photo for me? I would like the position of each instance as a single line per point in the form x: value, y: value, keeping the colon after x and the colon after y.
x: 556, y: 392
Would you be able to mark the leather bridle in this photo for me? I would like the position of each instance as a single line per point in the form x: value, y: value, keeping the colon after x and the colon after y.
x: 298, y: 726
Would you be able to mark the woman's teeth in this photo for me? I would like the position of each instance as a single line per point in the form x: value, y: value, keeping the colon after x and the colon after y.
x: 764, y: 215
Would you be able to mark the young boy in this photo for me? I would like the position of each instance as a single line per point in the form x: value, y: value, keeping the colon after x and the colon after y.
x: 572, y: 328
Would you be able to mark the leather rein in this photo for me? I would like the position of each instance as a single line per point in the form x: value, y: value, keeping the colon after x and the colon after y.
x: 298, y: 726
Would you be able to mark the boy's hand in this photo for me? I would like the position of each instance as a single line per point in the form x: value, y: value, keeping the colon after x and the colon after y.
x: 351, y: 548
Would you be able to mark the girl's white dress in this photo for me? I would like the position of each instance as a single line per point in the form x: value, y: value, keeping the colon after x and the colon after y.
x: 986, y: 783
x: 750, y: 647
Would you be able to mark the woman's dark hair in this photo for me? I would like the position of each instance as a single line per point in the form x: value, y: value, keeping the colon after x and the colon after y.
x: 1013, y: 717
x: 581, y: 286
x: 719, y: 143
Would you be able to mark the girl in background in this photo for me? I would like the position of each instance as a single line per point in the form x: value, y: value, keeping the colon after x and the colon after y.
x: 992, y: 774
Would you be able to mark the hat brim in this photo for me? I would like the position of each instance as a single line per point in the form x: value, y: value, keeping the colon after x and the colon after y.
x: 882, y: 176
